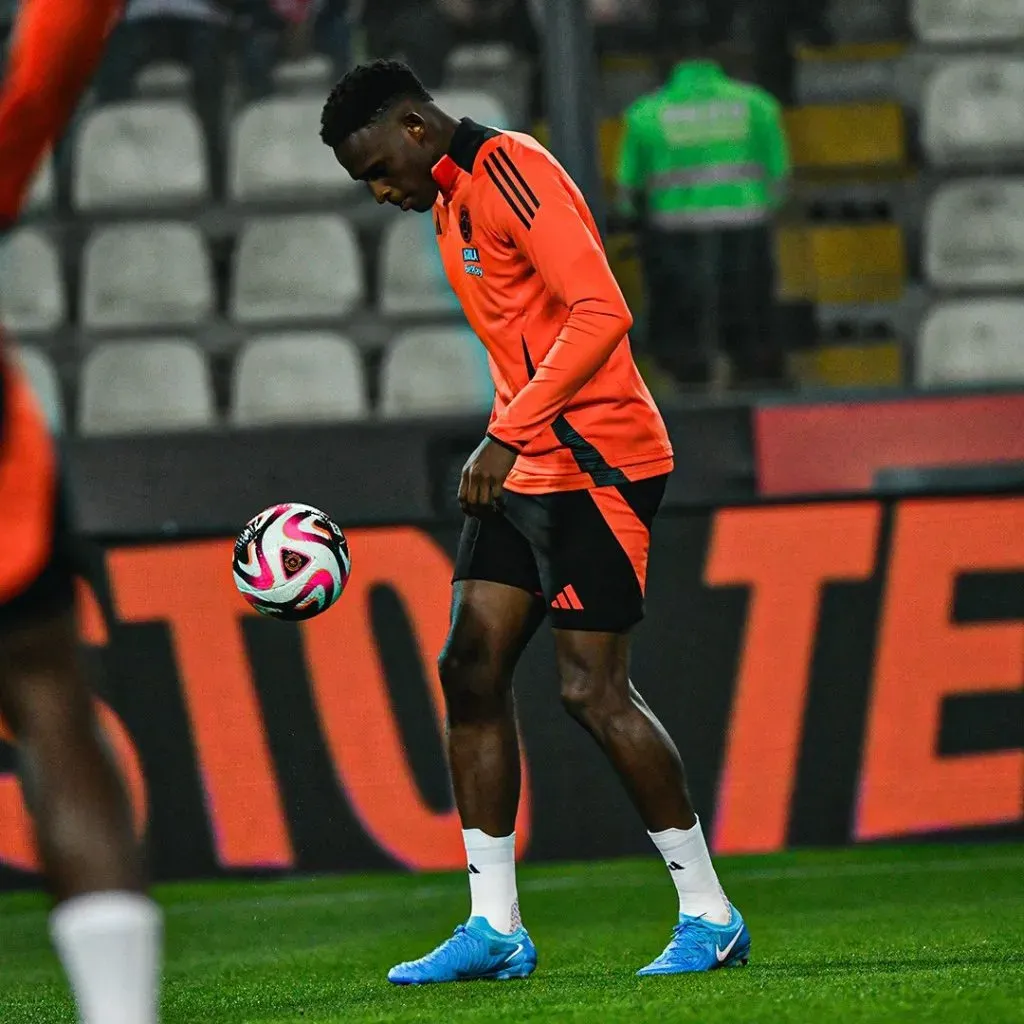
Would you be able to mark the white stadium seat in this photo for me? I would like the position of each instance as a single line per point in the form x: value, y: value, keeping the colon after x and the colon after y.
x: 311, y: 73
x: 277, y: 154
x: 147, y: 274
x: 298, y: 377
x: 974, y: 234
x: 42, y: 375
x: 140, y: 154
x: 435, y: 371
x: 296, y: 268
x: 965, y: 22
x: 973, y: 111
x: 495, y: 68
x: 481, y: 106
x: 412, y: 278
x: 31, y: 286
x: 44, y: 189
x: 145, y: 387
x: 164, y: 79
x: 973, y: 342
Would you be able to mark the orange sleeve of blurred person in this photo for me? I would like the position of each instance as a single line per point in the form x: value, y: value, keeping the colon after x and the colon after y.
x: 55, y: 48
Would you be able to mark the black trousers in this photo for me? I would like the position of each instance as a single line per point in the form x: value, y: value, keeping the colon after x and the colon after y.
x: 709, y: 291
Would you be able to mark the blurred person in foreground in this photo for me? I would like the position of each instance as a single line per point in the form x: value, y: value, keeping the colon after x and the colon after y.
x: 702, y: 171
x: 106, y: 930
x: 559, y: 499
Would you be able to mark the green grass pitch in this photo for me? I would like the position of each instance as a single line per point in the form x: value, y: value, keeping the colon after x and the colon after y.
x: 917, y: 935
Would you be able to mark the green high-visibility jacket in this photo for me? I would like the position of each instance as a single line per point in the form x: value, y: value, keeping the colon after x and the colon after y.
x: 704, y: 151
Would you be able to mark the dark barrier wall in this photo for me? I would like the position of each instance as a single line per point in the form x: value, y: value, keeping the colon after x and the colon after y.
x: 833, y: 672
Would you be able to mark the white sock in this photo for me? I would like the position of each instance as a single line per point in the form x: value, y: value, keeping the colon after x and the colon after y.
x: 492, y: 879
x: 110, y: 946
x: 689, y: 863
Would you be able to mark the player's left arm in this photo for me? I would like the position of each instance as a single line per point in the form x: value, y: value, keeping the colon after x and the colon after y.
x: 532, y: 208
x: 540, y: 217
x: 55, y: 48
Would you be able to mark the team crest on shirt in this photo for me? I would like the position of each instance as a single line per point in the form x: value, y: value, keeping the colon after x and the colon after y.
x: 465, y: 225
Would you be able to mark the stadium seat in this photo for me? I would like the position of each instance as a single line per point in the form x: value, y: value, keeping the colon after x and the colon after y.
x: 967, y: 22
x: 973, y: 112
x: 974, y: 234
x: 296, y: 268
x: 847, y: 136
x: 312, y: 73
x: 972, y: 342
x: 860, y: 263
x: 277, y: 154
x: 145, y: 387
x: 31, y: 287
x: 140, y: 154
x: 42, y: 375
x: 44, y: 189
x: 164, y: 79
x: 494, y: 68
x: 477, y: 104
x: 435, y: 371
x: 298, y: 378
x: 147, y: 274
x: 412, y: 278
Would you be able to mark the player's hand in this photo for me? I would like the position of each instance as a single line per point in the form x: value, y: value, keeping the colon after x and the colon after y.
x: 483, y: 478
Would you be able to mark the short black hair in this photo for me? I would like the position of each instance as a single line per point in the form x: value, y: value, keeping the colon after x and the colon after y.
x: 364, y: 95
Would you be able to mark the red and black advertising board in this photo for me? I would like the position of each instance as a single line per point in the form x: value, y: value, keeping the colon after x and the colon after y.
x: 834, y: 672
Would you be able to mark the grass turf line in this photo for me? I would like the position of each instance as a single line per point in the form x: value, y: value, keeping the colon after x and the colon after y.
x: 916, y: 935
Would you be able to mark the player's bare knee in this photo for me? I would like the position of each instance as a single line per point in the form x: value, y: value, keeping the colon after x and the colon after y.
x: 471, y: 679
x: 591, y: 692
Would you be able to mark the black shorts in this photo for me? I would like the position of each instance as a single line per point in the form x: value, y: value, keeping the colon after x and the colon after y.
x: 583, y: 552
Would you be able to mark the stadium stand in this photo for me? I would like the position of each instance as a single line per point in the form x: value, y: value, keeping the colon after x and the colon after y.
x: 309, y: 74
x: 147, y: 274
x: 42, y: 375
x: 972, y: 342
x: 137, y: 387
x: 276, y: 154
x: 973, y: 111
x: 31, y: 286
x: 975, y: 235
x: 296, y: 269
x: 298, y: 378
x: 140, y: 154
x: 412, y: 280
x: 967, y: 22
x: 435, y: 371
x: 481, y: 106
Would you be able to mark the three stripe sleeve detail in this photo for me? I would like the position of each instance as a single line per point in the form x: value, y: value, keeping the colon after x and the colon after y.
x: 512, y: 185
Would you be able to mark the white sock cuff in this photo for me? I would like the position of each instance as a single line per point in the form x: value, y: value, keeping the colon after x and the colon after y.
x: 482, y: 848
x: 99, y: 911
x: 670, y: 836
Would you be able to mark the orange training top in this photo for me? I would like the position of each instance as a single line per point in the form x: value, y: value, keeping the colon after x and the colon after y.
x: 55, y: 48
x: 523, y: 254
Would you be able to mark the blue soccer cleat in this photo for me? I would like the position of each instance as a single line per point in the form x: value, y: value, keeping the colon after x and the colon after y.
x: 698, y: 945
x: 474, y: 952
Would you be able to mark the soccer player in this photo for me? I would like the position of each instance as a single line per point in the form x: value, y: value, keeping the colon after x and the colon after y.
x: 559, y: 499
x: 106, y: 931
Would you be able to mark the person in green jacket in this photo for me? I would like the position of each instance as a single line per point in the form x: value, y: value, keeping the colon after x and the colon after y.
x: 703, y: 168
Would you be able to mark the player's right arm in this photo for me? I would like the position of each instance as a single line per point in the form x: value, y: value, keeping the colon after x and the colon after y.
x: 56, y: 46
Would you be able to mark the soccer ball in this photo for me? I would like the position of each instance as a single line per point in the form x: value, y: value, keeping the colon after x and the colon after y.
x: 291, y: 561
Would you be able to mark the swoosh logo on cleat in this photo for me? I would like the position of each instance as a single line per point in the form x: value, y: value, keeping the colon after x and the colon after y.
x: 515, y: 952
x: 723, y: 954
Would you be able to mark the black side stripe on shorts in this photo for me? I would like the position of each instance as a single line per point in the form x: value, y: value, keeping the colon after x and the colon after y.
x: 584, y: 454
x: 512, y: 186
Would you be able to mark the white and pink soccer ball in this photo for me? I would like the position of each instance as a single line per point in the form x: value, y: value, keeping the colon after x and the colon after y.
x: 291, y: 561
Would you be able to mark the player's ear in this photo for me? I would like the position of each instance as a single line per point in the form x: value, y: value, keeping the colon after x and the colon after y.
x: 414, y: 126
